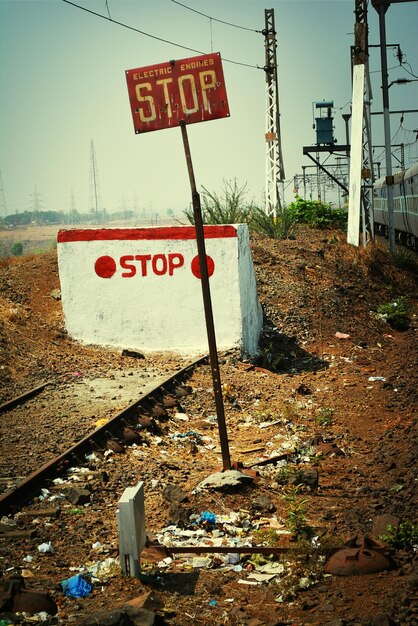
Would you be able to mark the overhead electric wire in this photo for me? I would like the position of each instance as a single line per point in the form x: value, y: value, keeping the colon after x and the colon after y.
x: 141, y: 32
x: 214, y: 19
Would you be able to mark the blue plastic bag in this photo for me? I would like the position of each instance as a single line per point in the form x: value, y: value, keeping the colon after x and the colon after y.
x: 76, y: 587
x: 208, y: 517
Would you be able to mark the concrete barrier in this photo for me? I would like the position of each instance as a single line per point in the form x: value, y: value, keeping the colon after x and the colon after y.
x: 139, y: 288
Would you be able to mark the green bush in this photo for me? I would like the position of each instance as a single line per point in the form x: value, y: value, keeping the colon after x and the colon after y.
x: 317, y: 214
x: 404, y: 536
x: 16, y: 249
x: 396, y: 313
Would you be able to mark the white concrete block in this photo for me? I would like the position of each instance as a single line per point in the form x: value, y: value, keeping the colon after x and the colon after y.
x: 131, y: 529
x: 139, y: 288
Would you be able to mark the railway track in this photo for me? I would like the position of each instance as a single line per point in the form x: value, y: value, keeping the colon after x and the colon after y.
x: 116, y: 432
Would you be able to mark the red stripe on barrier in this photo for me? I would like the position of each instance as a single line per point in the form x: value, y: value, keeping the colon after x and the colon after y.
x: 133, y: 234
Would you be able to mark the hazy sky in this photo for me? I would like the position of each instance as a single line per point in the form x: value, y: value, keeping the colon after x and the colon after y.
x: 62, y: 85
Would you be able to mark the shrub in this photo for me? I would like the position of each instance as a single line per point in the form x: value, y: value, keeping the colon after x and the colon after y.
x: 324, y: 416
x: 16, y: 249
x: 406, y: 260
x: 396, y: 313
x: 231, y: 207
x: 404, y: 536
x: 317, y: 214
x: 280, y: 226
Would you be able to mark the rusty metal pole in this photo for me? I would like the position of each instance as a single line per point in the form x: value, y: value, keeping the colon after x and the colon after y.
x: 210, y: 327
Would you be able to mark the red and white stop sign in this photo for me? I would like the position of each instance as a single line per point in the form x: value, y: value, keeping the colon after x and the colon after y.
x: 190, y: 90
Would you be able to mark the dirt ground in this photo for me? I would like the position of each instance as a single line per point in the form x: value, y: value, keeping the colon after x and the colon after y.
x: 333, y: 394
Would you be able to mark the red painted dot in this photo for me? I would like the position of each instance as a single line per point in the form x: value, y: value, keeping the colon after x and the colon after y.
x: 196, y: 266
x: 105, y: 267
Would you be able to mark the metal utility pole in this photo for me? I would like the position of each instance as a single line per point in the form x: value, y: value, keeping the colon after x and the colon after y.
x: 36, y: 204
x: 73, y: 210
x: 3, y: 205
x: 381, y: 7
x: 274, y: 158
x: 95, y: 199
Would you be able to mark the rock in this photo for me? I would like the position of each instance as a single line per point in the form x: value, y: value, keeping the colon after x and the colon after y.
x: 77, y: 496
x: 117, y: 617
x: 308, y: 477
x: 178, y: 514
x: 353, y: 516
x: 381, y: 522
x: 383, y: 619
x: 174, y: 494
x: 133, y: 354
x: 263, y: 503
x: 225, y: 480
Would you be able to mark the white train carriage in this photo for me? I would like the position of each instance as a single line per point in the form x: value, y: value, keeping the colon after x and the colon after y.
x: 405, y: 205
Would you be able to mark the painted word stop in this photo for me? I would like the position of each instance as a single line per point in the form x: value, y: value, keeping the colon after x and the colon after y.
x: 139, y: 288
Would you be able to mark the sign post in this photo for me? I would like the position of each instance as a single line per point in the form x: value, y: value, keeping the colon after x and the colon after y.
x: 178, y: 93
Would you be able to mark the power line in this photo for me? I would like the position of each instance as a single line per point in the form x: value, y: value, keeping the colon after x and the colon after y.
x: 141, y: 32
x: 214, y: 19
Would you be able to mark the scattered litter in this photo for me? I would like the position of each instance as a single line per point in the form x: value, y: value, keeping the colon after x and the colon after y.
x: 268, y: 424
x: 212, y: 603
x: 342, y: 336
x: 242, y: 581
x: 189, y: 434
x: 46, y: 548
x: 58, y: 481
x: 92, y: 457
x: 182, y: 417
x: 101, y: 422
x: 103, y: 570
x: 233, y: 558
x: 261, y: 578
x: 374, y: 379
x: 76, y: 587
x: 208, y: 517
x: 97, y: 545
x: 28, y: 559
x: 271, y: 568
x: 200, y: 561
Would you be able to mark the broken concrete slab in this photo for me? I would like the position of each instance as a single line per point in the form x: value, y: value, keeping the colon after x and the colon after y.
x: 229, y: 479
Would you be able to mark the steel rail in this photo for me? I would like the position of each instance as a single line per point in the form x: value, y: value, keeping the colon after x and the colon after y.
x: 10, y: 404
x: 28, y: 487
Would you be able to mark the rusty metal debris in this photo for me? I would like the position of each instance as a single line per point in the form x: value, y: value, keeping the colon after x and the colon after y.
x: 16, y: 598
x: 360, y: 555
